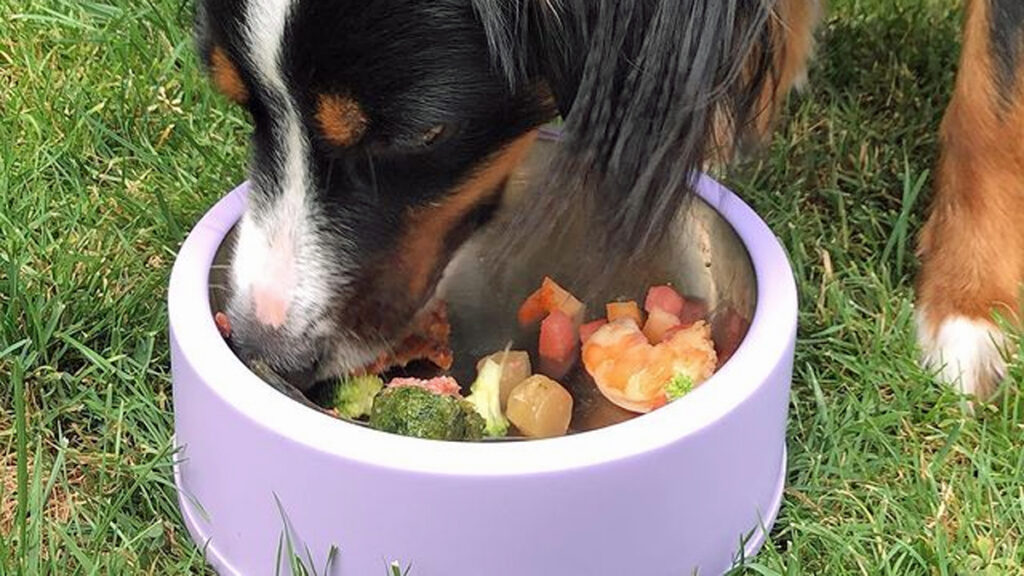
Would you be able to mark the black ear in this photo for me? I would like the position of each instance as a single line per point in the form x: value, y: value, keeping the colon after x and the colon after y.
x: 538, y: 40
x: 650, y: 90
x: 558, y: 42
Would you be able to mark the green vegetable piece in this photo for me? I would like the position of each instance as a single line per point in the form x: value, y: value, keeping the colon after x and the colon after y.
x: 353, y: 397
x: 485, y: 396
x: 412, y: 411
x: 475, y: 424
x: 680, y: 385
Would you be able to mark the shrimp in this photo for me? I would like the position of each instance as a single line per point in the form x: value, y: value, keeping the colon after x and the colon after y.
x: 633, y: 373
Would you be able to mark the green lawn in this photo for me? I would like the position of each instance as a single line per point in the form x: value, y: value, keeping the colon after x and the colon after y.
x: 112, y: 145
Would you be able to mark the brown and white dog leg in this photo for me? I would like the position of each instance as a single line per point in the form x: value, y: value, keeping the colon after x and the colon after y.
x: 792, y: 30
x: 972, y: 246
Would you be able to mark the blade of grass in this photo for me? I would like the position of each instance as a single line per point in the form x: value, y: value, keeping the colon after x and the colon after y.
x: 21, y: 439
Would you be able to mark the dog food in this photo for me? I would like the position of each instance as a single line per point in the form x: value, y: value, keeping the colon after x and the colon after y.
x: 637, y: 359
x: 428, y: 339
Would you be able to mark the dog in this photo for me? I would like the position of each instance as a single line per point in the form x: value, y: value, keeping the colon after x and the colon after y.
x: 384, y: 132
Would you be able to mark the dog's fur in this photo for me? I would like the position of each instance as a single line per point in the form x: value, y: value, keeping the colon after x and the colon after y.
x: 972, y: 248
x: 384, y: 131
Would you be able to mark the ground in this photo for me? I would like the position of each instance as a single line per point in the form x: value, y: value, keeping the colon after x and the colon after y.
x: 112, y: 145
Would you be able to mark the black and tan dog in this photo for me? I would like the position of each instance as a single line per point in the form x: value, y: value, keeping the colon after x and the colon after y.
x: 384, y: 131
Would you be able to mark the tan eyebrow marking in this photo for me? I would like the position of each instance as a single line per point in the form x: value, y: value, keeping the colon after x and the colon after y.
x: 427, y: 227
x: 341, y: 119
x: 226, y: 77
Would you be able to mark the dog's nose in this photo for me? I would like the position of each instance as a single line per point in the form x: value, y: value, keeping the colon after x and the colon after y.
x: 270, y: 305
x: 272, y: 276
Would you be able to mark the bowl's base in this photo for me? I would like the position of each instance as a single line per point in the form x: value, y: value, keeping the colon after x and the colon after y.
x: 753, y: 546
x: 192, y: 513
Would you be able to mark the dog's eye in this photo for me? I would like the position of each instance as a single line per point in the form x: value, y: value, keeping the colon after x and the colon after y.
x: 414, y: 140
x: 431, y: 136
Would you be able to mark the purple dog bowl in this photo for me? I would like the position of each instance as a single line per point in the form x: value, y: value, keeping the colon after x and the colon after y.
x: 692, y: 487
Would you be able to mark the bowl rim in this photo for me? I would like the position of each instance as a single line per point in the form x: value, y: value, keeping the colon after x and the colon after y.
x: 765, y: 347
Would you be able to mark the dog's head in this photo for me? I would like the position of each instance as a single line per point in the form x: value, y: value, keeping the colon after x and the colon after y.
x: 383, y: 132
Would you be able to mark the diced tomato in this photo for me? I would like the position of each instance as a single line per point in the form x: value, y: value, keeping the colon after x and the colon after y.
x: 665, y: 298
x: 658, y: 324
x: 548, y: 298
x: 587, y: 330
x: 693, y: 310
x: 629, y: 309
x: 557, y: 346
x: 532, y: 309
x: 443, y: 385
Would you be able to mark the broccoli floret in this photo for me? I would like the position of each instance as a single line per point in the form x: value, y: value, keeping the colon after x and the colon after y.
x: 485, y: 396
x: 413, y: 411
x: 680, y: 385
x: 353, y: 396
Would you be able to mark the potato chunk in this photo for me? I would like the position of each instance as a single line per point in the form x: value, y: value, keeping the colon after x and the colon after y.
x: 539, y: 407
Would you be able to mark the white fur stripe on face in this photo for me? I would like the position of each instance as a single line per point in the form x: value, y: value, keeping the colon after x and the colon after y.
x: 265, y: 24
x: 276, y: 258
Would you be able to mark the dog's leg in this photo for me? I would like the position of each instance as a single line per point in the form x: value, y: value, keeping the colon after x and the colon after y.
x: 972, y: 246
x: 792, y: 30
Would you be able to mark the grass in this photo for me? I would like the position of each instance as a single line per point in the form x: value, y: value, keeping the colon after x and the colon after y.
x: 112, y: 145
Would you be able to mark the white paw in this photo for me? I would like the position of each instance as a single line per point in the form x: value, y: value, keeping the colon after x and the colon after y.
x: 965, y: 353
